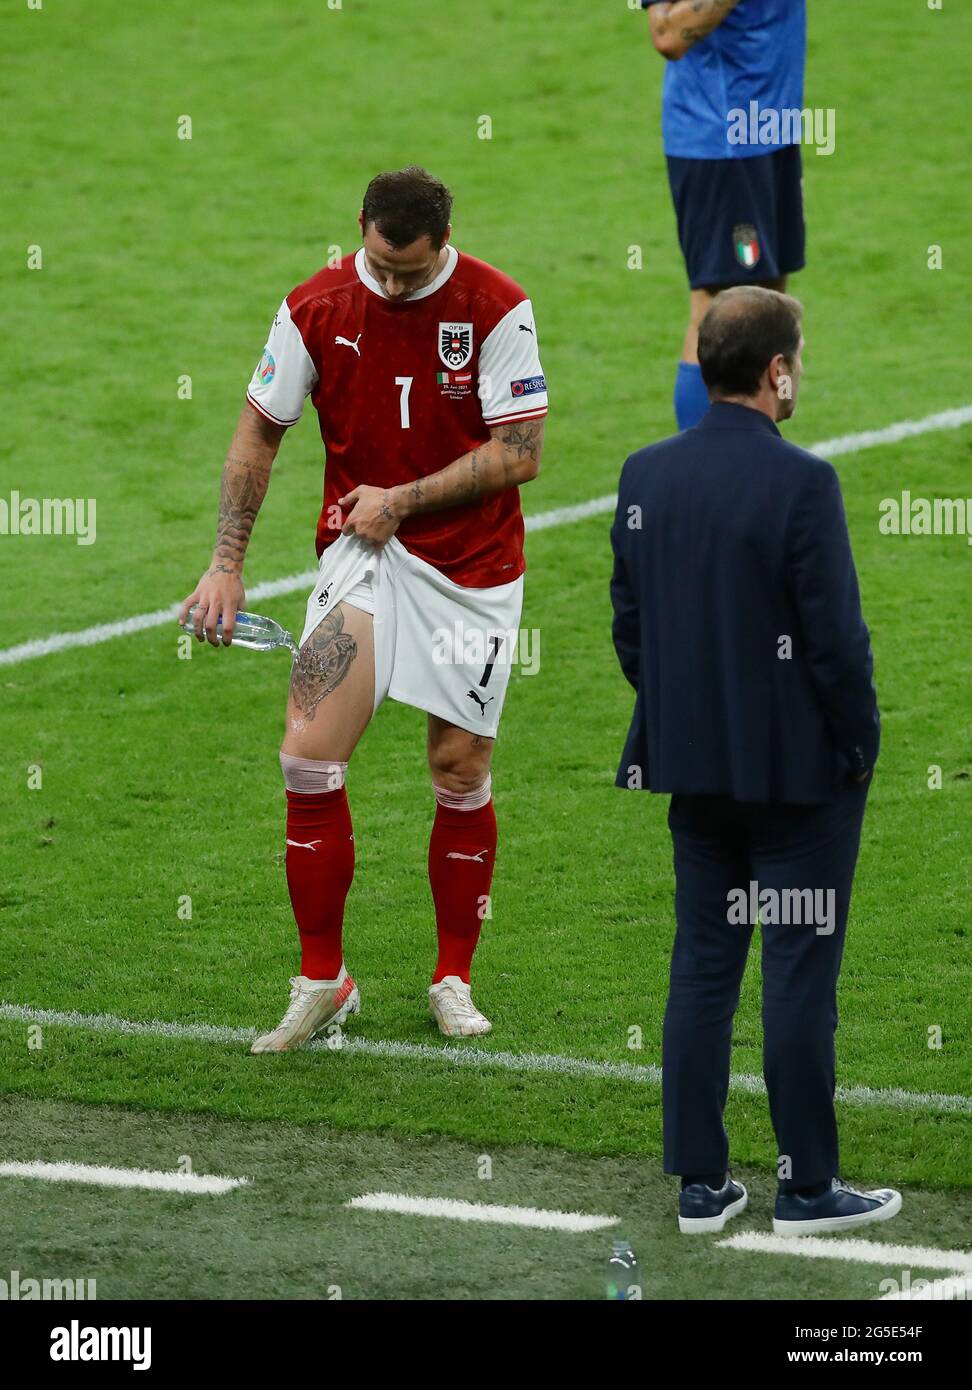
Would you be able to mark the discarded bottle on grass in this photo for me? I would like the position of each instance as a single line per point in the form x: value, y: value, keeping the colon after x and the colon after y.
x: 623, y: 1275
x: 252, y: 630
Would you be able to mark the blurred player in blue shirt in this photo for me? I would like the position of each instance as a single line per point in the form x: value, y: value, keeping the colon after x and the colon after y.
x: 733, y: 90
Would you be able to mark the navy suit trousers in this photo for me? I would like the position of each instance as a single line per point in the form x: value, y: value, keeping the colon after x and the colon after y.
x: 722, y: 846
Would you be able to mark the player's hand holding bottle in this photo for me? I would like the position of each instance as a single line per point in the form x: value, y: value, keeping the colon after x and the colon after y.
x: 218, y: 595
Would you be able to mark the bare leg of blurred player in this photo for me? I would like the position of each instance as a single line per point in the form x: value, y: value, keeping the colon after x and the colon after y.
x: 461, y: 854
x: 332, y: 692
x: 691, y: 397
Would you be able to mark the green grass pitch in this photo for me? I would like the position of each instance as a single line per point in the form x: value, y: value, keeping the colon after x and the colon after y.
x: 165, y: 258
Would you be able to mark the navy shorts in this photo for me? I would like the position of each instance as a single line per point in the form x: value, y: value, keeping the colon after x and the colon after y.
x: 740, y: 221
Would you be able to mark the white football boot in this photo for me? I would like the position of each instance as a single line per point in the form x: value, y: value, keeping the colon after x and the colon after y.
x: 313, y: 1006
x: 451, y: 1005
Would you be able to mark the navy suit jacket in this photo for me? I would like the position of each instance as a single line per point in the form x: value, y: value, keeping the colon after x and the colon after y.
x: 737, y: 618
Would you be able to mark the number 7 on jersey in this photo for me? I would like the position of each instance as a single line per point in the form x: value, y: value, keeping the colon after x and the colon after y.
x: 405, y: 382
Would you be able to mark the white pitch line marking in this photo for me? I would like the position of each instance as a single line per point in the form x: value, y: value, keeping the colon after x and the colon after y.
x: 540, y: 521
x: 869, y: 1252
x: 122, y: 1177
x: 540, y: 1062
x: 893, y: 434
x: 451, y: 1209
x: 125, y: 627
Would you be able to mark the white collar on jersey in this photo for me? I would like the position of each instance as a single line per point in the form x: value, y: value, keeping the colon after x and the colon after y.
x: 367, y: 279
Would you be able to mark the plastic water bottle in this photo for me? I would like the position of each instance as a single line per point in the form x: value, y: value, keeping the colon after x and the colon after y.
x: 623, y: 1275
x: 252, y: 630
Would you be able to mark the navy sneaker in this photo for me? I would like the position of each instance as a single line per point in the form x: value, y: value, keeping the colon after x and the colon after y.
x: 840, y: 1208
x: 702, y: 1208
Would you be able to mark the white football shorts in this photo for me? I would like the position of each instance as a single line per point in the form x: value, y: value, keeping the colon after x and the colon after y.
x: 439, y: 646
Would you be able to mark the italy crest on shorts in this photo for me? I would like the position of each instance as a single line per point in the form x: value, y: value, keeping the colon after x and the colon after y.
x: 745, y: 243
x: 455, y: 344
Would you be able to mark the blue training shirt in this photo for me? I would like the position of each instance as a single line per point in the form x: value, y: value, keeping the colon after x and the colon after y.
x: 756, y: 55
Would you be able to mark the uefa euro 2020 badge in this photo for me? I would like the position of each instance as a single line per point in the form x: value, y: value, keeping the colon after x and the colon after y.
x: 267, y: 367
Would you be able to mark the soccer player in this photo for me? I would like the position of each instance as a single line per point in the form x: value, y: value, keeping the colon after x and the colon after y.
x: 739, y: 206
x: 422, y: 365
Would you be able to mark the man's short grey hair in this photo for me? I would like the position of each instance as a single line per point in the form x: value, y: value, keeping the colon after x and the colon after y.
x: 744, y: 329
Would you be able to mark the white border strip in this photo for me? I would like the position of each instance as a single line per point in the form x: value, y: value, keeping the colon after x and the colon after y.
x: 122, y: 1177
x: 540, y: 521
x: 538, y: 1062
x: 451, y: 1209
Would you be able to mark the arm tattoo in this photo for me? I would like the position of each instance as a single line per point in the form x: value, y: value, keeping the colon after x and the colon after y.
x: 707, y: 14
x: 486, y: 469
x: 471, y: 484
x: 324, y: 661
x: 524, y: 439
x: 519, y: 441
x: 241, y: 492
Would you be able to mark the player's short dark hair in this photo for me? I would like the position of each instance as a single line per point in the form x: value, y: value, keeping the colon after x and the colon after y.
x: 744, y: 329
x: 405, y: 204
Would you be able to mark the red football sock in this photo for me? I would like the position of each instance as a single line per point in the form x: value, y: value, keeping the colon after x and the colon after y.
x: 320, y: 867
x: 461, y: 854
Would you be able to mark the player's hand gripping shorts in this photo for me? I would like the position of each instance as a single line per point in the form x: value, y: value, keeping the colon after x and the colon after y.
x: 439, y: 646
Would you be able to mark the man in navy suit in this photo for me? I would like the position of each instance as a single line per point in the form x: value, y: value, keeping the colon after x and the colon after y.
x: 737, y: 619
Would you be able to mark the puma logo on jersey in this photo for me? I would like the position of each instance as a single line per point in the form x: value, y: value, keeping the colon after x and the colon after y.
x: 310, y: 845
x: 524, y: 328
x: 346, y: 342
x: 476, y: 858
x: 481, y: 703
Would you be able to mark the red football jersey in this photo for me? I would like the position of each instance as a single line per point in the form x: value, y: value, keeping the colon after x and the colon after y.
x: 404, y: 387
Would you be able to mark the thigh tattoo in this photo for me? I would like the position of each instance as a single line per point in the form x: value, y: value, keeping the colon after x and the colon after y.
x: 324, y: 661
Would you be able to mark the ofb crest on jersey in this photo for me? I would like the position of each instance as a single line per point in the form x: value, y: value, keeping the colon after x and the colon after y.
x: 455, y: 344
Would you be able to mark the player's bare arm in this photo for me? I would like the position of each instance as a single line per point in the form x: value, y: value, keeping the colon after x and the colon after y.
x: 675, y: 28
x: 246, y: 476
x: 510, y: 457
